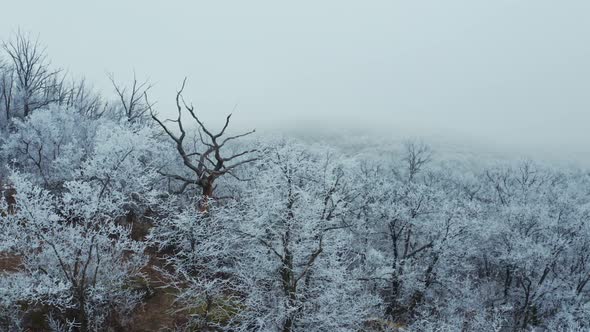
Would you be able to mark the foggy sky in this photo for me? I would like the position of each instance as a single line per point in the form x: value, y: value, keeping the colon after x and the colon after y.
x: 511, y: 74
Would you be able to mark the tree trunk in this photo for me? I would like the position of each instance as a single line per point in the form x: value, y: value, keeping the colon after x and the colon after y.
x: 288, y: 326
x: 27, y: 109
x: 206, y: 195
x: 82, y: 319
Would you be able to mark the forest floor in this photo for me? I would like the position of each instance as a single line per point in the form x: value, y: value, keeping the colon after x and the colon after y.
x: 9, y: 262
x: 157, y: 312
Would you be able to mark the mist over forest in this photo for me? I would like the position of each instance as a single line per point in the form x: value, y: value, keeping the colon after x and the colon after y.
x: 323, y: 181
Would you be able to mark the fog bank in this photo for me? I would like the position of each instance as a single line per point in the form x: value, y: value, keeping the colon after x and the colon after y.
x: 511, y: 75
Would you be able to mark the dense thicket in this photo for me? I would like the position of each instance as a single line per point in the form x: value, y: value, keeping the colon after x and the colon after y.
x: 102, y: 214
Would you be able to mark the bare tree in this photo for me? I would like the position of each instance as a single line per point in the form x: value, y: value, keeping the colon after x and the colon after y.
x: 6, y: 89
x: 84, y: 100
x: 33, y: 75
x: 208, y: 164
x: 132, y: 101
x: 417, y: 154
x: 56, y: 89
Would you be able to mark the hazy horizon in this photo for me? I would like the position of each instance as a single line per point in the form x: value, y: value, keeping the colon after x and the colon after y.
x: 512, y: 75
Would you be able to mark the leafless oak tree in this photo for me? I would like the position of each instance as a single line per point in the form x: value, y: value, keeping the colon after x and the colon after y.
x: 33, y: 75
x: 132, y: 100
x: 87, y: 102
x: 208, y: 164
x: 6, y: 89
x: 417, y: 154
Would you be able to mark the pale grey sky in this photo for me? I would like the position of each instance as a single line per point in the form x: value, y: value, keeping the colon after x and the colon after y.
x: 505, y: 72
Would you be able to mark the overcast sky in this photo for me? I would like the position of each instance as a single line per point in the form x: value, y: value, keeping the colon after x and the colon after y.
x: 511, y: 73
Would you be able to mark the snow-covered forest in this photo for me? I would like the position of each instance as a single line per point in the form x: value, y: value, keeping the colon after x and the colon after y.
x: 114, y: 218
